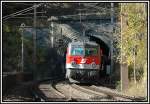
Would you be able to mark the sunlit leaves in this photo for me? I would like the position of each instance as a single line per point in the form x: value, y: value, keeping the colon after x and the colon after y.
x: 133, y: 32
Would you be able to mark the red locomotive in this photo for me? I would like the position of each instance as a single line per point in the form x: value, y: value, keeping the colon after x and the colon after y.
x: 83, y: 61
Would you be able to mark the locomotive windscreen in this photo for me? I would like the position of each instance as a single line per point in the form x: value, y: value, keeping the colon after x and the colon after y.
x: 91, y: 51
x: 86, y: 50
x: 77, y: 51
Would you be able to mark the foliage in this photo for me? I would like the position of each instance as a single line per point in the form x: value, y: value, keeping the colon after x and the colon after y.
x: 139, y: 73
x: 133, y: 44
x: 118, y: 85
x: 11, y: 48
x: 134, y: 33
x: 28, y: 54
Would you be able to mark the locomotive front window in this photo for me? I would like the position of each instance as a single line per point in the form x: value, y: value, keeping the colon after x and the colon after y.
x: 77, y: 51
x: 90, y: 51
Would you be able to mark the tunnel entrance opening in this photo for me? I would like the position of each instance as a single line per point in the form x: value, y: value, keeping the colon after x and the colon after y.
x: 103, y: 45
x: 105, y: 57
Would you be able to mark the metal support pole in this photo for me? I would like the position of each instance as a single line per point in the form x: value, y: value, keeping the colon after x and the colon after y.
x: 34, y: 42
x: 52, y: 35
x: 80, y: 12
x: 112, y: 23
x: 81, y: 20
x: 22, y: 59
x: 61, y: 32
x: 83, y: 31
x: 21, y: 29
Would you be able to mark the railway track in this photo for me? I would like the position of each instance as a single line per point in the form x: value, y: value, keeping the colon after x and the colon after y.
x: 116, y: 93
x: 46, y: 91
x: 79, y: 93
x: 57, y: 89
x: 60, y: 90
x: 51, y: 94
x: 107, y: 94
x: 94, y: 95
x: 69, y: 92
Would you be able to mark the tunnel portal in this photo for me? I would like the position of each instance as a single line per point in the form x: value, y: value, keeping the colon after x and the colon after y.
x: 102, y: 44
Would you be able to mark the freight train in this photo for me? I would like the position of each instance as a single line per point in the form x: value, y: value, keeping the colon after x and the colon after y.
x: 83, y: 61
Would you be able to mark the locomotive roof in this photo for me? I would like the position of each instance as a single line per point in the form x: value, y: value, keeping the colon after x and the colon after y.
x: 83, y: 43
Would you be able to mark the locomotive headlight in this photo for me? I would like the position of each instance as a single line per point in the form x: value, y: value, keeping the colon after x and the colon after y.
x: 73, y: 63
x: 93, y: 65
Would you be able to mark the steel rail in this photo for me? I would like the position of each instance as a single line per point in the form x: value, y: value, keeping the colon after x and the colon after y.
x: 39, y: 94
x: 98, y: 91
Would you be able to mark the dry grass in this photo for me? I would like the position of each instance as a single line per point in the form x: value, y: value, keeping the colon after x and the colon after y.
x: 140, y: 88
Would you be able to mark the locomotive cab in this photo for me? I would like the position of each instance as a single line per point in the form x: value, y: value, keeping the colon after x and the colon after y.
x: 83, y: 61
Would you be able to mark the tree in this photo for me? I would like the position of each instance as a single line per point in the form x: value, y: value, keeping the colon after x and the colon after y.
x: 133, y: 42
x: 11, y: 48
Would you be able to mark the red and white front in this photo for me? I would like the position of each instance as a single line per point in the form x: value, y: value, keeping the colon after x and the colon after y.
x: 83, y: 57
x: 79, y: 62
